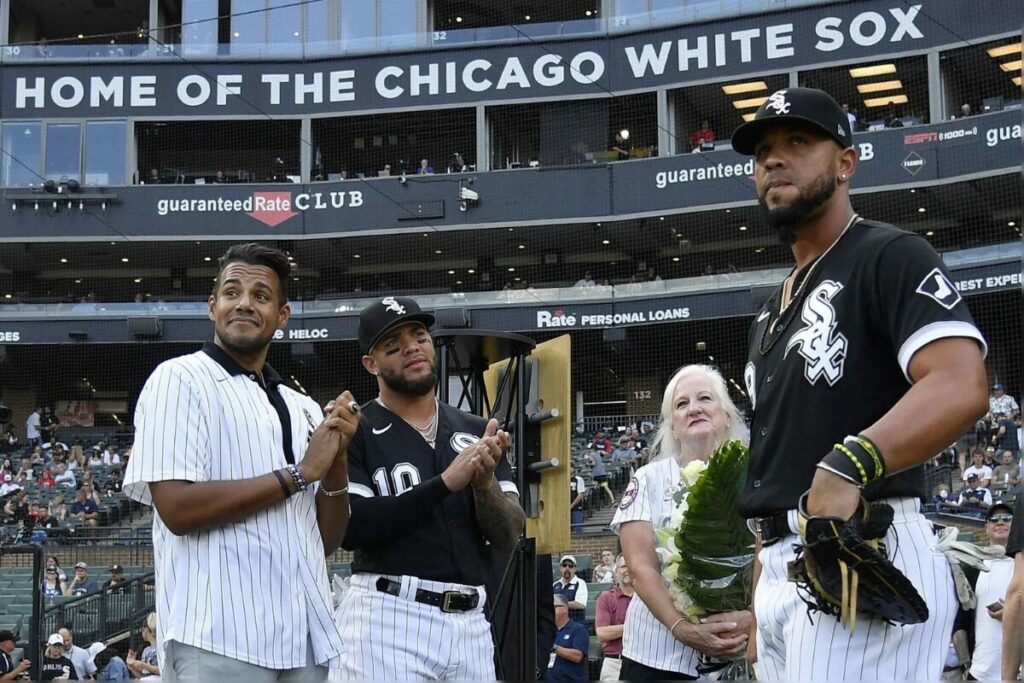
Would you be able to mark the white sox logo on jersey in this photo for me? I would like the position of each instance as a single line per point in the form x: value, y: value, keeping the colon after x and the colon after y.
x: 821, y: 345
x: 462, y: 440
x: 937, y: 287
x: 391, y: 305
x: 777, y: 101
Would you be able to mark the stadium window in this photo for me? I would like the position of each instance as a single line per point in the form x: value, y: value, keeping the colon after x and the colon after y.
x: 22, y: 142
x: 722, y: 105
x: 344, y: 145
x: 246, y: 151
x: 202, y: 32
x: 63, y: 151
x: 450, y: 15
x: 978, y: 76
x: 397, y: 25
x: 266, y: 28
x: 358, y: 24
x: 105, y: 152
x: 108, y: 30
x: 877, y: 94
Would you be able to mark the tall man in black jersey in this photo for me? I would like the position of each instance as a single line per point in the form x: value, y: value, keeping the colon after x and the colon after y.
x: 431, y: 489
x: 867, y: 345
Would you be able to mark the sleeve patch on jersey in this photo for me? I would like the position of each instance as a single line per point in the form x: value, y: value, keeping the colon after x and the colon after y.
x: 629, y: 495
x: 937, y: 287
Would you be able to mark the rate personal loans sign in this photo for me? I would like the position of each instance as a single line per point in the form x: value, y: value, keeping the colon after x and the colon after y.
x: 775, y: 41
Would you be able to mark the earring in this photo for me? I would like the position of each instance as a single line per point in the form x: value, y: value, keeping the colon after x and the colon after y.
x: 842, y: 176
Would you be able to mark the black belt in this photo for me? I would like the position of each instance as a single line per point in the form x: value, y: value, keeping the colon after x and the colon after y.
x: 607, y: 656
x: 771, y: 529
x: 449, y: 601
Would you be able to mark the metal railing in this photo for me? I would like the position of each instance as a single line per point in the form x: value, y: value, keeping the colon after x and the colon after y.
x: 103, y: 616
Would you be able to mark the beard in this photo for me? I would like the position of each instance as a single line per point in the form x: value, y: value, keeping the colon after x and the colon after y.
x: 244, y: 345
x: 411, y: 387
x: 787, y: 220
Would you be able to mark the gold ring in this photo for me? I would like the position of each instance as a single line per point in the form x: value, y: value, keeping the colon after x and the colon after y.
x: 353, y: 407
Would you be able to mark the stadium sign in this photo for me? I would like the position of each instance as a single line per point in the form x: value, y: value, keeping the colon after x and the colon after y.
x: 556, y: 68
x: 268, y: 207
x: 558, y: 318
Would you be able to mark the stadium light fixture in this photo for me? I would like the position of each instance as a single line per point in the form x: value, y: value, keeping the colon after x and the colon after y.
x: 1017, y: 81
x: 1010, y: 67
x: 471, y: 271
x: 921, y: 209
x: 451, y: 272
x: 872, y: 102
x: 124, y: 259
x: 743, y: 228
x: 930, y: 233
x: 749, y: 117
x: 876, y: 70
x: 356, y: 255
x: 749, y: 103
x: 1004, y: 50
x: 740, y: 88
x: 606, y: 241
x: 880, y: 86
x: 675, y: 259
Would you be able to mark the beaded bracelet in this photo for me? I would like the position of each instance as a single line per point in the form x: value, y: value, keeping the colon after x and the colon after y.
x: 300, y: 481
x: 876, y: 455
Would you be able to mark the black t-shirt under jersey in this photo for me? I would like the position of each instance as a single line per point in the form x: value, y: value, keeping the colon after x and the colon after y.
x: 386, y: 458
x: 837, y: 359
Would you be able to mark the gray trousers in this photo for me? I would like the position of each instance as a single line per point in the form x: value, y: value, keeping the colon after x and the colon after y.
x: 187, y: 663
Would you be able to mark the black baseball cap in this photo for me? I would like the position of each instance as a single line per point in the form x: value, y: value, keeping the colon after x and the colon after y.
x: 803, y: 105
x: 385, y: 314
x: 6, y: 635
x: 998, y: 505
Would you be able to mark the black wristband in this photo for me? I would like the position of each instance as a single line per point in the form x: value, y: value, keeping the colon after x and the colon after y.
x: 283, y: 483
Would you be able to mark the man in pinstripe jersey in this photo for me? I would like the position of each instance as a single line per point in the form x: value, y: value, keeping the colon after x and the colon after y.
x: 248, y: 482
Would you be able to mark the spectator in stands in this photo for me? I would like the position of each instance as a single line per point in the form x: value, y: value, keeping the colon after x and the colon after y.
x: 9, y: 671
x: 53, y: 587
x: 114, y: 483
x: 8, y: 485
x: 82, y: 584
x: 703, y: 138
x: 25, y: 471
x: 21, y: 508
x: 154, y: 177
x: 46, y: 479
x: 425, y: 168
x: 624, y: 451
x: 605, y: 571
x: 1007, y: 472
x: 45, y: 519
x: 53, y: 563
x: 601, y: 442
x: 218, y: 178
x: 48, y: 425
x: 568, y: 660
x: 941, y: 497
x: 573, y: 589
x: 610, y: 617
x: 32, y: 427
x: 85, y: 509
x: 95, y: 457
x: 90, y: 491
x: 577, y: 498
x: 115, y: 584
x: 851, y: 117
x: 974, y: 499
x: 978, y: 469
x: 965, y: 110
x: 79, y: 656
x: 109, y: 666
x: 600, y: 474
x: 1005, y: 438
x: 77, y: 461
x: 58, y: 508
x: 984, y: 624
x: 7, y: 467
x: 586, y: 281
x: 10, y: 440
x: 10, y: 513
x: 697, y: 416
x: 1001, y: 403
x: 56, y: 667
x: 990, y: 459
x: 65, y: 477
x: 147, y: 664
x: 110, y: 456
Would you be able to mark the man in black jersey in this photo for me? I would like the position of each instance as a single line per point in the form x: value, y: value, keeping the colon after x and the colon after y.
x: 1013, y: 612
x: 431, y: 489
x: 864, y: 364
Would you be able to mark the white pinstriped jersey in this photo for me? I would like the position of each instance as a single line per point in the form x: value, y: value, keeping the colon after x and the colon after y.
x: 648, y: 498
x: 257, y: 589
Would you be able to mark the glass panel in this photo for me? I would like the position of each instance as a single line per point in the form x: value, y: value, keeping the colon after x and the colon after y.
x: 21, y: 156
x: 248, y: 22
x: 317, y: 21
x: 358, y: 24
x: 199, y: 32
x: 284, y: 27
x: 104, y: 153
x: 398, y: 21
x: 63, y: 151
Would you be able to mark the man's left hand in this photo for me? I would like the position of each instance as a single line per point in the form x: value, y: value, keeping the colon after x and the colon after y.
x: 489, y: 452
x: 832, y: 496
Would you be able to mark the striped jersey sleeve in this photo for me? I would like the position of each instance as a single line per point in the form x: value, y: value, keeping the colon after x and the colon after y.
x: 172, y: 433
x: 635, y: 504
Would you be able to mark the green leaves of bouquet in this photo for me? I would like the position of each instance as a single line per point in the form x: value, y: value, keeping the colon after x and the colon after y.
x: 715, y: 546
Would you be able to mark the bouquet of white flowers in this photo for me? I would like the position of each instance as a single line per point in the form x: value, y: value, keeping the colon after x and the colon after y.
x: 707, y: 550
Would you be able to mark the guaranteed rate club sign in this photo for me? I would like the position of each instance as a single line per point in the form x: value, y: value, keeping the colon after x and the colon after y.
x: 468, y: 75
x: 270, y: 207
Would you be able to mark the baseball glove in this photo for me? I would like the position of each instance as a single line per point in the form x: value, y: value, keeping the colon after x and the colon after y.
x: 842, y: 567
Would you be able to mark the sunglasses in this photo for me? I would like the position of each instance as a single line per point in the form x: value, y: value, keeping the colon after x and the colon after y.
x: 568, y: 564
x: 1001, y: 518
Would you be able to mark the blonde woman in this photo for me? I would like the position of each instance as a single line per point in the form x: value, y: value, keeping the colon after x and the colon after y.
x: 146, y: 664
x: 697, y: 416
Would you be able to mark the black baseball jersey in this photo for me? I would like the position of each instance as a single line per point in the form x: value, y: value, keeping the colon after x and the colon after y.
x: 1015, y: 543
x: 837, y: 359
x: 387, y: 457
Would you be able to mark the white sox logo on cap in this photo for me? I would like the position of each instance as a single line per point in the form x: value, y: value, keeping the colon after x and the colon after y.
x: 777, y: 101
x: 391, y: 305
